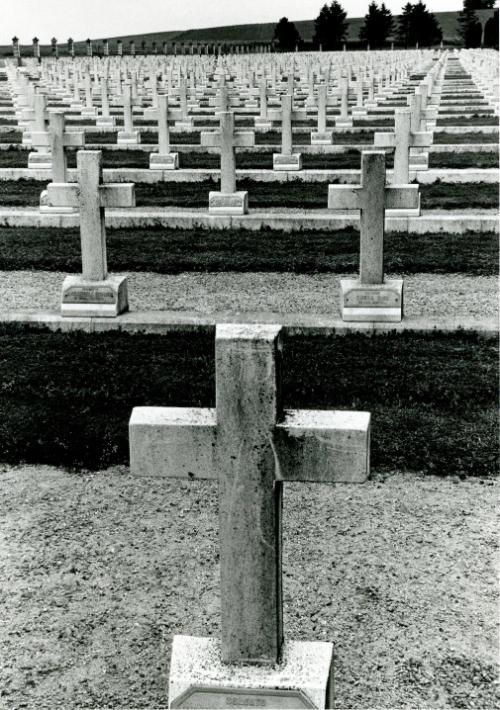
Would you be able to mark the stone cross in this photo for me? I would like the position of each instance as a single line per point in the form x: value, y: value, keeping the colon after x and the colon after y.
x: 321, y: 136
x: 250, y: 444
x: 94, y: 293
x: 57, y: 140
x: 372, y: 298
x: 105, y: 118
x: 402, y: 140
x: 286, y: 160
x: 344, y: 120
x: 128, y: 135
x: 228, y: 201
x: 164, y: 159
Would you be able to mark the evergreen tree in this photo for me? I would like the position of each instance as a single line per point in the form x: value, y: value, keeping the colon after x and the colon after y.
x: 418, y: 24
x: 469, y: 26
x: 377, y: 26
x: 330, y: 26
x: 491, y: 31
x: 286, y: 35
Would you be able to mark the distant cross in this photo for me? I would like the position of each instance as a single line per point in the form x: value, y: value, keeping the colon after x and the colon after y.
x: 286, y: 114
x: 372, y: 197
x: 250, y: 444
x: 57, y: 139
x: 164, y: 159
x: 402, y: 140
x: 227, y: 139
x: 91, y: 196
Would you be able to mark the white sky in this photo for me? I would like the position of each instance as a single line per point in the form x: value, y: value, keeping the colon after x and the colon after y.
x: 110, y: 18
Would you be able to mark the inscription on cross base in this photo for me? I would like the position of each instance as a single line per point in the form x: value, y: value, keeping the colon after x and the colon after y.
x: 251, y: 445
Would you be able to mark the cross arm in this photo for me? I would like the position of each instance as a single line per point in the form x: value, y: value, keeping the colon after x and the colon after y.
x: 117, y: 195
x: 402, y: 197
x: 384, y: 140
x: 323, y: 446
x: 343, y: 197
x: 421, y: 140
x: 173, y: 442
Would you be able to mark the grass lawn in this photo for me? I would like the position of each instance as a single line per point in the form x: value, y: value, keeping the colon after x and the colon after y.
x: 67, y: 397
x: 264, y: 194
x: 174, y: 251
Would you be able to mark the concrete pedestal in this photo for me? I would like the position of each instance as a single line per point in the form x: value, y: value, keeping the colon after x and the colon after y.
x: 165, y: 161
x: 321, y: 138
x: 105, y: 121
x: 403, y: 212
x: 372, y: 302
x: 46, y: 208
x: 40, y: 160
x: 263, y: 124
x: 185, y: 125
x: 343, y: 123
x: 287, y: 162
x: 84, y: 298
x: 128, y: 138
x: 88, y: 112
x: 199, y: 679
x: 228, y: 203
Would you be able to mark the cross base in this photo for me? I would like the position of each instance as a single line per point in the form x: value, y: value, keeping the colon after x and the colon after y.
x: 263, y: 124
x: 287, y: 162
x: 321, y: 138
x: 198, y: 678
x: 88, y: 112
x: 372, y: 302
x: 228, y: 202
x: 40, y: 160
x: 164, y: 161
x: 343, y: 123
x: 48, y: 207
x: 404, y: 211
x: 185, y: 125
x: 105, y: 121
x: 87, y: 299
x: 150, y: 112
x: 124, y: 137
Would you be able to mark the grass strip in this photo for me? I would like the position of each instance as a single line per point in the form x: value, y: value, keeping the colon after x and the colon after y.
x: 67, y: 397
x: 293, y: 194
x: 172, y: 251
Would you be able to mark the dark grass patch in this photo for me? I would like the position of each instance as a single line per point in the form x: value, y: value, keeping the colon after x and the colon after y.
x: 164, y: 250
x: 468, y: 121
x: 8, y: 121
x: 67, y: 397
x: 11, y: 137
x: 463, y: 160
x: 457, y: 138
x: 290, y: 195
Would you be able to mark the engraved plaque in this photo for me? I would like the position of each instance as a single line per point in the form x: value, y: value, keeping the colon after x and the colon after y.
x: 205, y: 697
x: 286, y: 160
x: 87, y: 294
x: 225, y: 201
x: 375, y: 298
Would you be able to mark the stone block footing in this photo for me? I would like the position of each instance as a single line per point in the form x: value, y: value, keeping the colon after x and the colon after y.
x: 287, y: 162
x: 105, y: 121
x: 185, y: 125
x: 39, y: 160
x: 199, y: 678
x: 343, y: 123
x: 84, y: 298
x: 321, y: 138
x: 372, y: 302
x: 164, y: 161
x: 124, y: 137
x: 228, y: 202
x: 46, y: 208
x: 263, y: 124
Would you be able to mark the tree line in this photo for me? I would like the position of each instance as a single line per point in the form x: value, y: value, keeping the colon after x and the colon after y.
x: 416, y: 26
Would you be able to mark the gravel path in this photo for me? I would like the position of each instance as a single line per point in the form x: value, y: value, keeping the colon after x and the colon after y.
x: 425, y: 294
x: 100, y: 570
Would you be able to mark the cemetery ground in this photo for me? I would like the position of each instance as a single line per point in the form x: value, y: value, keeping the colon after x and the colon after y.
x: 100, y: 567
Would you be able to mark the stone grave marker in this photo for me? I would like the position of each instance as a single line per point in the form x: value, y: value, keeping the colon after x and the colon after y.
x: 371, y: 297
x: 250, y: 445
x: 402, y: 140
x: 228, y: 200
x: 128, y: 135
x: 164, y: 159
x: 94, y: 292
x: 287, y: 160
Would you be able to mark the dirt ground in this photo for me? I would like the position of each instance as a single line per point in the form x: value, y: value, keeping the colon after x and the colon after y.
x: 100, y: 570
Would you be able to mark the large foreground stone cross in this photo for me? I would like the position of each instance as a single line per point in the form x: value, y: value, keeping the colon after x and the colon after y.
x: 402, y: 140
x: 250, y: 445
x: 94, y: 293
x: 228, y: 201
x: 371, y: 297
